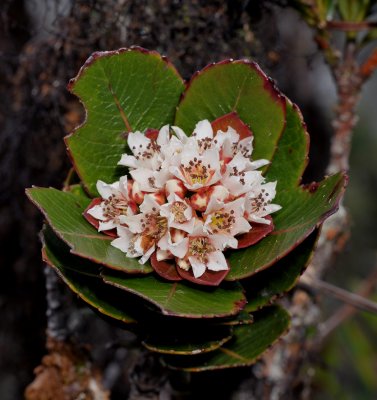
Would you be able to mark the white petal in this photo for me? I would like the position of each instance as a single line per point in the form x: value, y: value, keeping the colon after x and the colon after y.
x: 259, y: 220
x: 96, y: 212
x: 238, y: 206
x: 176, y: 171
x: 105, y: 190
x: 198, y: 268
x: 221, y: 241
x: 106, y: 226
x: 149, y: 205
x: 142, y: 177
x: 180, y: 134
x: 163, y: 255
x: 123, y: 187
x: 215, y: 178
x: 240, y: 226
x: 258, y: 164
x: 147, y: 254
x: 135, y: 139
x: 203, y: 129
x: 212, y: 157
x: 134, y: 223
x: 271, y: 208
x: 185, y: 226
x: 238, y: 161
x: 198, y: 228
x: 217, y: 261
x: 121, y: 243
x: 163, y: 136
x: 179, y: 249
x: 230, y: 135
x: 220, y: 192
x: 213, y: 205
x: 128, y: 161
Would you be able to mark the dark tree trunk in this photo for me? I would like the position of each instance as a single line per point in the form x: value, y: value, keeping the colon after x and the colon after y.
x: 42, y: 45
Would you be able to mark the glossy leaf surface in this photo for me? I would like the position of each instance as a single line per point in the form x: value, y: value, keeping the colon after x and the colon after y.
x: 63, y: 211
x: 265, y: 286
x: 82, y: 277
x: 182, y: 299
x: 122, y: 91
x: 247, y: 344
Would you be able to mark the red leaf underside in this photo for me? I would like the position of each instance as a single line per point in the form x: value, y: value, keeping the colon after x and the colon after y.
x: 165, y: 269
x: 152, y: 133
x: 209, y: 278
x: 257, y: 233
x: 94, y: 222
x: 233, y: 120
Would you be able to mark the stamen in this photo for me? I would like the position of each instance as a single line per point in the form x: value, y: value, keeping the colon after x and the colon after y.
x: 197, y: 173
x: 177, y: 209
x: 200, y: 247
x: 222, y: 221
x: 115, y: 206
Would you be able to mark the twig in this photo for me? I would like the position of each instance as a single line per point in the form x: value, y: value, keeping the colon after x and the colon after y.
x: 348, y: 82
x: 352, y: 299
x: 346, y: 311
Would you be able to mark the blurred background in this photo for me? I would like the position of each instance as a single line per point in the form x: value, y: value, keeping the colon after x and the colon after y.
x: 43, y: 43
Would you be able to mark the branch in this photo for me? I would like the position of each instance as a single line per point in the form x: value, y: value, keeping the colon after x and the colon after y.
x: 355, y: 300
x: 346, y: 311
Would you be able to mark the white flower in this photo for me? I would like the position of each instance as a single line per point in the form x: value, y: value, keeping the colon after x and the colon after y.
x: 175, y: 243
x: 258, y: 202
x: 240, y: 176
x: 128, y: 242
x: 149, y: 227
x: 225, y: 221
x: 197, y: 170
x: 196, y: 195
x: 116, y: 205
x: 149, y: 164
x: 178, y: 213
x: 202, y: 251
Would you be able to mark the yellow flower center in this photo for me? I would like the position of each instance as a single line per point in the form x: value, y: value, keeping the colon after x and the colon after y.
x: 197, y: 173
x: 222, y: 221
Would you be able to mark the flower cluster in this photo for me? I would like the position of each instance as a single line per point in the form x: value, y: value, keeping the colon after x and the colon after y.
x: 187, y: 199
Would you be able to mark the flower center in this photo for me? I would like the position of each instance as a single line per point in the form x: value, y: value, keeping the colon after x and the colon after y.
x: 260, y: 202
x: 199, y: 247
x: 115, y: 206
x: 222, y: 221
x: 177, y: 209
x: 154, y: 226
x: 146, y: 153
x: 197, y: 173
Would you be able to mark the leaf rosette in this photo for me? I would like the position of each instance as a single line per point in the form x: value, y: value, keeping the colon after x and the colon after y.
x: 187, y: 219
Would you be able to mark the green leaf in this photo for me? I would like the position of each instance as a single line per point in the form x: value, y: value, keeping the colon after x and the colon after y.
x: 235, y: 86
x: 85, y: 283
x: 63, y: 210
x: 182, y: 299
x: 302, y: 210
x: 291, y: 156
x: 193, y: 340
x: 122, y: 91
x: 248, y: 344
x: 265, y: 286
x: 242, y: 318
